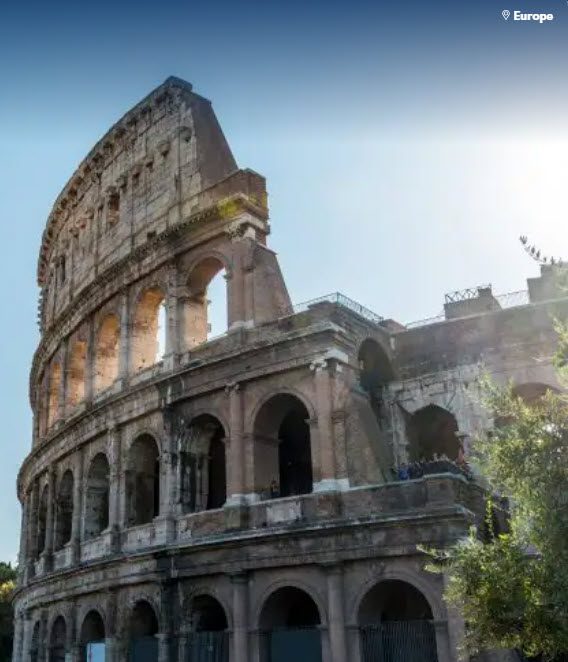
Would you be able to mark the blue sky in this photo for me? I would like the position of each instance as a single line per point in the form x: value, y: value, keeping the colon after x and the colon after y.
x: 406, y: 145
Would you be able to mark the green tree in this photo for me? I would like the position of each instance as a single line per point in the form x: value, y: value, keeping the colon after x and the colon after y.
x: 7, y: 585
x: 513, y: 590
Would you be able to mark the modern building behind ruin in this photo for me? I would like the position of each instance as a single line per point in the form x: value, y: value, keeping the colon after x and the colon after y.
x: 237, y: 498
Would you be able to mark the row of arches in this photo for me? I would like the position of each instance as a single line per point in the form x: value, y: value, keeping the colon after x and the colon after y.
x: 283, y: 455
x: 203, y: 310
x: 394, y: 621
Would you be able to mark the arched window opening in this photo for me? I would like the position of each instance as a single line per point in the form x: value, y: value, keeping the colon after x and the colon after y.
x: 148, y: 331
x: 35, y: 643
x: 106, y: 361
x: 375, y: 372
x: 64, y: 511
x: 76, y: 373
x: 289, y: 627
x: 93, y: 638
x: 209, y: 636
x: 57, y: 640
x: 206, y: 310
x: 395, y: 623
x: 97, y: 497
x: 143, y: 481
x: 432, y: 435
x: 42, y: 521
x: 142, y: 631
x: 54, y: 391
x: 283, y: 455
x: 202, y: 464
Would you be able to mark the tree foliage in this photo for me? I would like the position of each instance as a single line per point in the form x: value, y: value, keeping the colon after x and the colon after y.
x: 7, y: 585
x: 513, y: 591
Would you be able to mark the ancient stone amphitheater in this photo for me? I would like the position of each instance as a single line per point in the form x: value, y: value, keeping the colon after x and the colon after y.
x: 239, y: 497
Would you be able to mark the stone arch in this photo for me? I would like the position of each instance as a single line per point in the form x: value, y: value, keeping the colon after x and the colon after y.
x: 198, y: 317
x: 142, y: 628
x: 290, y: 622
x: 53, y: 394
x: 412, y: 578
x: 97, y: 496
x: 375, y: 366
x: 283, y: 446
x: 92, y: 636
x: 64, y: 510
x: 432, y: 431
x: 292, y: 582
x: 396, y: 618
x: 148, y: 329
x: 206, y: 613
x: 107, y: 352
x: 76, y: 372
x: 58, y: 640
x: 203, y: 480
x: 42, y: 520
x: 143, y: 480
x: 193, y: 592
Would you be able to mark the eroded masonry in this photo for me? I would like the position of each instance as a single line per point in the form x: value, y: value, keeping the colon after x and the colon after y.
x: 261, y: 495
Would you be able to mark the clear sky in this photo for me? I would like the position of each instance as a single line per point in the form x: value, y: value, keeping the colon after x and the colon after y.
x: 406, y: 145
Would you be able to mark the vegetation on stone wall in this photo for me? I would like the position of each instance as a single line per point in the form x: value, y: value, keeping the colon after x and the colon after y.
x: 513, y: 588
x: 7, y: 584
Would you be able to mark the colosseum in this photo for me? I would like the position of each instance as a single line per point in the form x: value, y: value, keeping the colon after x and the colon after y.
x: 259, y: 495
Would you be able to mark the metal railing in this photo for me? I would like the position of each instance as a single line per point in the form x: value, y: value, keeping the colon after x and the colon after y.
x: 394, y: 641
x: 341, y: 300
x: 507, y: 300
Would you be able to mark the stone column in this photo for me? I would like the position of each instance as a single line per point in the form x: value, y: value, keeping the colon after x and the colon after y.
x: 164, y: 646
x: 324, y: 455
x: 124, y: 340
x: 240, y: 618
x: 24, y: 535
x: 235, y: 456
x: 64, y: 359
x: 50, y: 523
x: 32, y: 531
x: 78, y: 492
x: 17, y: 655
x: 90, y: 363
x: 335, y: 602
x: 443, y: 642
x: 115, y: 460
x: 24, y: 652
x: 172, y: 318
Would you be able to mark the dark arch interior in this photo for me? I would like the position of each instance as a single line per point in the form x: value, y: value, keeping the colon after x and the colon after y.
x: 143, y: 621
x: 93, y: 628
x: 203, y: 468
x: 375, y: 366
x: 42, y: 521
x: 431, y: 431
x: 64, y: 511
x: 289, y: 607
x: 97, y: 497
x: 393, y: 600
x: 207, y: 615
x: 143, y: 481
x: 57, y: 640
x: 283, y: 434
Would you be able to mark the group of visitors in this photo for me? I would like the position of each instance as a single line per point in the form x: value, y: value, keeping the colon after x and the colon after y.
x: 438, y: 464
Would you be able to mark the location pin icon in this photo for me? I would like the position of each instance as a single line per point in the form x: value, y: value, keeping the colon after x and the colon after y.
x: 506, y: 13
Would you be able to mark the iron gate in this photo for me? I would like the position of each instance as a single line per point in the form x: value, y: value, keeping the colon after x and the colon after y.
x: 208, y: 646
x: 291, y: 644
x: 399, y: 641
x: 143, y: 649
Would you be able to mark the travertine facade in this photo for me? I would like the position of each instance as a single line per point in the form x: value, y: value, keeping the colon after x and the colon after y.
x: 237, y: 498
